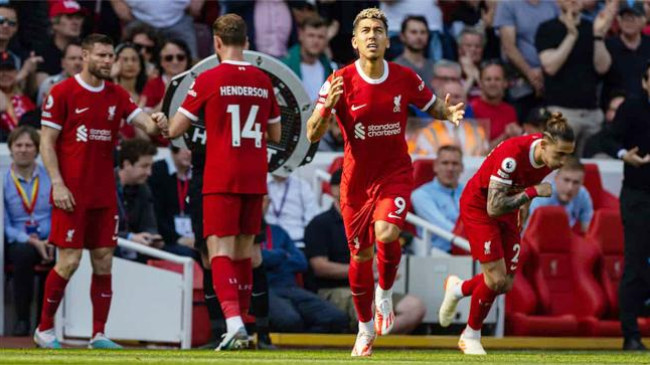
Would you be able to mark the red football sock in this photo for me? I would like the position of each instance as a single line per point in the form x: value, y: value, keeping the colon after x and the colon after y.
x: 362, y: 285
x: 101, y: 294
x: 388, y: 257
x: 482, y: 300
x: 52, y: 294
x: 224, y: 280
x: 244, y: 270
x: 468, y: 286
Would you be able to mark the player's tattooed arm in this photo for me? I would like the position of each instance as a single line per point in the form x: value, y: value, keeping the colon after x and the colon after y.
x: 322, y: 116
x: 317, y: 125
x: 500, y: 199
x: 443, y: 110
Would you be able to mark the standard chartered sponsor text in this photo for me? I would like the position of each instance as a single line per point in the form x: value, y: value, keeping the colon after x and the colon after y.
x: 382, y: 130
x: 100, y: 135
x: 244, y: 91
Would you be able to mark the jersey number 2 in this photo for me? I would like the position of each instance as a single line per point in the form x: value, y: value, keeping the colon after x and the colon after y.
x: 250, y: 130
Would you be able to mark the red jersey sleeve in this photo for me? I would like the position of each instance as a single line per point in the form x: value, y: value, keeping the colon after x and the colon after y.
x: 274, y: 110
x: 324, y: 91
x: 54, y: 108
x: 130, y: 108
x: 418, y: 92
x: 195, y: 100
x: 504, y: 165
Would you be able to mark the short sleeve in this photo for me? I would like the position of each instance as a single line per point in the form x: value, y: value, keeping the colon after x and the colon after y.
x: 131, y: 109
x: 419, y: 93
x: 274, y: 111
x: 504, y: 15
x: 195, y: 99
x: 504, y: 167
x: 54, y: 108
x: 548, y: 36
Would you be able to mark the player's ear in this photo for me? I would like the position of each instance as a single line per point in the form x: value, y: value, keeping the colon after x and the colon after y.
x: 354, y: 43
x: 216, y: 43
x: 247, y: 44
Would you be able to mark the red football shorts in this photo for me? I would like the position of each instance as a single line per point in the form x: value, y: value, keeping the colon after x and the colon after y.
x: 390, y: 206
x: 232, y: 214
x: 492, y: 239
x: 84, y: 228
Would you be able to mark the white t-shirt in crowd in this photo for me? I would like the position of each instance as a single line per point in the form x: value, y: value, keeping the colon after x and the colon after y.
x: 159, y: 14
x: 313, y: 77
x: 398, y: 10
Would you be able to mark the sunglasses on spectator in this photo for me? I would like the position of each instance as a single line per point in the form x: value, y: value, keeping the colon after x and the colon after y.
x: 7, y: 21
x: 179, y: 57
x: 140, y: 47
x: 446, y: 78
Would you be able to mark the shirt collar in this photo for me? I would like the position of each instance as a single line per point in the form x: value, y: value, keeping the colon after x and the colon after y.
x: 171, y: 168
x: 438, y: 186
x: 531, y: 154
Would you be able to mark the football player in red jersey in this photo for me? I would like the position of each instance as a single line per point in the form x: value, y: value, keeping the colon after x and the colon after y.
x: 370, y: 100
x: 81, y: 118
x: 241, y: 112
x: 493, y: 206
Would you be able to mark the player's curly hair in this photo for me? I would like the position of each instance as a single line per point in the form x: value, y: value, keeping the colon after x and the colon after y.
x: 369, y: 13
x: 558, y: 128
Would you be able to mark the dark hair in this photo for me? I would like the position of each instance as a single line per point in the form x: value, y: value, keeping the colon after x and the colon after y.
x: 142, y: 28
x: 94, y: 38
x: 180, y: 44
x: 645, y: 71
x: 335, y: 178
x: 9, y: 6
x: 558, y: 128
x: 72, y: 43
x: 572, y: 163
x: 450, y: 148
x: 132, y: 149
x: 537, y: 117
x: 415, y: 18
x: 231, y: 28
x: 141, y: 79
x: 314, y: 21
x: 20, y: 131
x: 492, y: 62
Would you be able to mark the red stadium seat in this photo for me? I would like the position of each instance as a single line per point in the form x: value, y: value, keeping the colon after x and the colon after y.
x: 335, y: 165
x: 459, y: 230
x: 422, y: 172
x: 602, y: 199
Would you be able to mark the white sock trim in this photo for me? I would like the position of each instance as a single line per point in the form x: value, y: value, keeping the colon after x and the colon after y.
x: 457, y: 290
x: 383, y: 294
x: 472, y: 333
x: 233, y: 324
x: 367, y: 327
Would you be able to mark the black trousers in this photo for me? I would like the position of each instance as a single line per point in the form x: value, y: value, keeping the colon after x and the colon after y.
x: 634, y: 288
x: 23, y: 256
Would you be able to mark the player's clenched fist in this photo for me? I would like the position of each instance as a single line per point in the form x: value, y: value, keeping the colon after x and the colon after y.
x: 544, y: 189
x: 335, y: 91
x: 62, y: 197
x: 161, y: 121
x: 454, y: 113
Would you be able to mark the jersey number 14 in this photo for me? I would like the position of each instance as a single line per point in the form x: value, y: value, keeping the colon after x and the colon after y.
x: 251, y: 129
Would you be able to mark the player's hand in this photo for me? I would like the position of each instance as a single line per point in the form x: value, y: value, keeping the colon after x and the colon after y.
x: 143, y: 238
x: 161, y: 121
x: 43, y: 248
x: 62, y: 197
x: 334, y: 94
x: 544, y: 190
x: 31, y: 63
x: 186, y: 241
x: 633, y: 158
x: 454, y: 113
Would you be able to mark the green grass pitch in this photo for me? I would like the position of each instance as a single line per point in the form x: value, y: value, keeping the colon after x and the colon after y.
x: 302, y: 357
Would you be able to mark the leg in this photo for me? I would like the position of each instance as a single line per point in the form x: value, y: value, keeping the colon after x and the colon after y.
x: 55, y: 284
x: 260, y: 299
x: 101, y: 291
x: 361, y: 285
x: 409, y: 313
x: 23, y: 256
x: 389, y: 253
x: 224, y: 279
x: 284, y: 316
x: 318, y: 315
x: 244, y: 270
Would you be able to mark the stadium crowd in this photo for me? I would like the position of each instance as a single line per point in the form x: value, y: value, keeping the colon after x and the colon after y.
x: 511, y: 62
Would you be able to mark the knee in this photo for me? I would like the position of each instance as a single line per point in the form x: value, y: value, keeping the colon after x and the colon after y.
x: 508, y: 285
x: 67, y: 266
x: 256, y: 257
x: 364, y: 255
x: 386, y: 232
x: 497, y: 282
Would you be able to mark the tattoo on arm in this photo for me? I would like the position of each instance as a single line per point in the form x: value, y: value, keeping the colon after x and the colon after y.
x: 438, y: 110
x: 317, y: 126
x: 500, y: 201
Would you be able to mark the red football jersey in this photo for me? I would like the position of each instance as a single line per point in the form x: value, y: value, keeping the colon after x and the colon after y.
x: 510, y: 163
x: 89, y: 119
x: 372, y: 114
x: 239, y: 103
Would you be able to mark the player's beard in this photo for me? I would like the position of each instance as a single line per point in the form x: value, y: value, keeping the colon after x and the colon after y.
x: 94, y: 70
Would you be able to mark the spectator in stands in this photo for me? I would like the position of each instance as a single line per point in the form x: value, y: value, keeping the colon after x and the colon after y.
x: 569, y: 192
x: 169, y: 18
x: 146, y: 40
x: 291, y: 307
x: 8, y: 29
x: 595, y: 147
x: 535, y: 122
x: 292, y: 204
x: 172, y: 60
x: 13, y: 103
x: 307, y: 59
x: 438, y: 201
x: 137, y: 221
x: 628, y: 138
x: 415, y: 37
x: 445, y: 71
x: 129, y: 72
x: 71, y: 64
x: 480, y: 16
x: 326, y: 248
x: 517, y: 23
x: 470, y: 54
x: 469, y: 135
x: 629, y: 50
x: 332, y: 141
x: 27, y: 213
x: 491, y: 104
x: 67, y: 20
x: 397, y: 11
x: 572, y: 53
x: 169, y: 184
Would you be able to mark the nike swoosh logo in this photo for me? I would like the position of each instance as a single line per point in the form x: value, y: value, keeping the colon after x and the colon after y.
x: 357, y: 107
x: 104, y: 295
x: 51, y: 301
x: 257, y: 294
x: 79, y: 111
x: 357, y: 294
x: 210, y: 296
x: 394, y: 216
